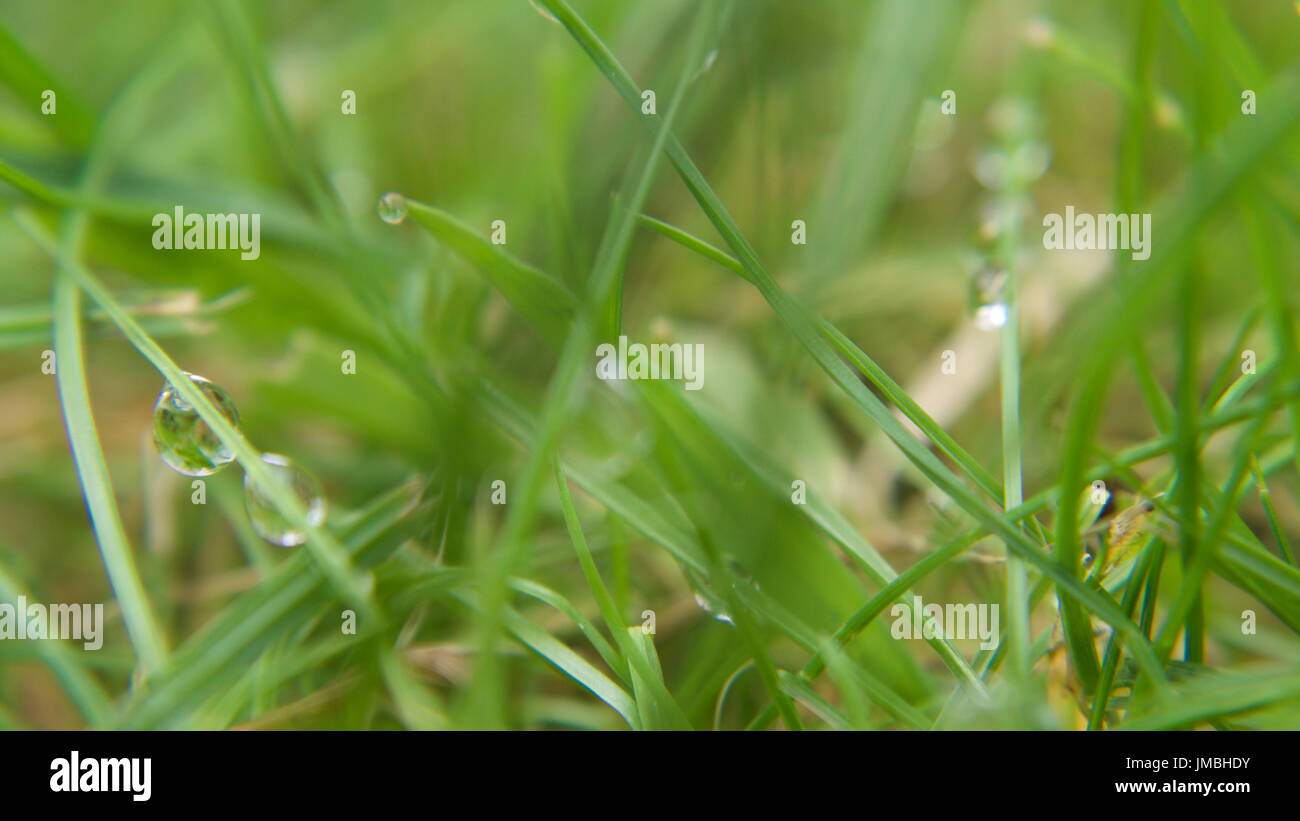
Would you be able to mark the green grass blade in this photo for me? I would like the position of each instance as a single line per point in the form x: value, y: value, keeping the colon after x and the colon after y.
x: 320, y: 543
x: 859, y: 359
x: 796, y: 318
x: 29, y: 79
x: 1220, y: 696
x: 141, y: 625
x: 543, y: 300
x: 658, y: 709
x: 560, y: 395
x: 553, y: 651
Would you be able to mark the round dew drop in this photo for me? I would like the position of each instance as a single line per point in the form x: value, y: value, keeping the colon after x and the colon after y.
x: 183, y: 439
x: 268, y: 523
x: 990, y: 317
x: 988, y: 299
x: 392, y: 208
x: 710, y: 602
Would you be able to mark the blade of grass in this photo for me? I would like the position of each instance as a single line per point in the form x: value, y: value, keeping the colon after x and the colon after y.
x: 543, y: 300
x: 659, y: 710
x: 1133, y: 590
x: 1224, y: 695
x: 1197, y: 561
x: 142, y: 626
x: 589, y: 630
x: 237, y: 30
x: 902, y: 48
x: 561, y: 392
x: 1209, y: 181
x: 799, y: 690
x: 1187, y: 463
x: 795, y: 316
x: 296, y: 593
x: 865, y: 364
x: 1266, y: 499
x: 812, y: 641
x: 1281, y: 301
x: 28, y: 79
x: 554, y: 651
x: 324, y: 547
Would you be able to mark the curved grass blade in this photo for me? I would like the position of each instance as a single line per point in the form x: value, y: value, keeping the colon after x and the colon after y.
x: 141, y: 625
x: 555, y: 652
x: 324, y: 547
x: 797, y: 319
x: 543, y: 300
x: 855, y: 355
x: 560, y: 396
x: 1220, y: 696
x: 293, y: 596
x: 28, y: 79
x: 658, y: 709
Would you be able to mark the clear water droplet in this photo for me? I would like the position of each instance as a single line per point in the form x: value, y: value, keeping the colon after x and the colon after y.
x: 268, y: 523
x: 392, y: 208
x: 710, y: 600
x: 990, y: 317
x: 183, y: 439
x: 989, y: 299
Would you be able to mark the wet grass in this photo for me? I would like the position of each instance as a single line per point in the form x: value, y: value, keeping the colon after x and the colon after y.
x: 624, y: 504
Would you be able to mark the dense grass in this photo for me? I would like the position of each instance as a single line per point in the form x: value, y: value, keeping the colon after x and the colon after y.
x: 637, y: 502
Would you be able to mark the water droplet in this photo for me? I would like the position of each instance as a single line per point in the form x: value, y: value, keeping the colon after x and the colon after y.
x: 988, y: 299
x: 392, y: 208
x: 184, y: 441
x: 268, y: 523
x: 990, y: 317
x: 708, y: 600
